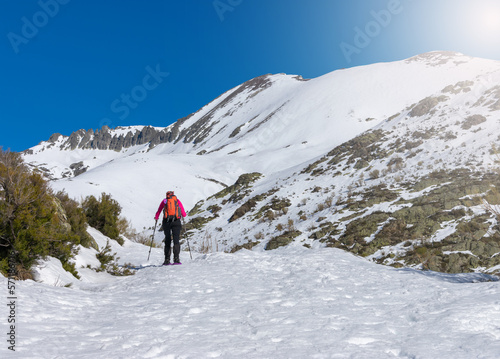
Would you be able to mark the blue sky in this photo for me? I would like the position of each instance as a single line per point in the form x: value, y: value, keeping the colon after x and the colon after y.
x: 71, y: 64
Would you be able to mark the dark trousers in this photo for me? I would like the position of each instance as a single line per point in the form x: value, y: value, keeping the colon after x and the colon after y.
x: 172, y: 231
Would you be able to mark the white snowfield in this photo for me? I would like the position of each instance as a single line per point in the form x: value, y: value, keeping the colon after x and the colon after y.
x: 288, y: 303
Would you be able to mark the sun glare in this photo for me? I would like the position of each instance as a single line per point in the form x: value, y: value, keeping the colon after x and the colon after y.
x: 488, y: 18
x: 491, y: 20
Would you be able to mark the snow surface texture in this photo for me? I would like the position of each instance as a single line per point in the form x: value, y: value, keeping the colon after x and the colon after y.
x: 288, y: 303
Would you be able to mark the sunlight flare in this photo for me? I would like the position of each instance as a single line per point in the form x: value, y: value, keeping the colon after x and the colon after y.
x: 487, y: 19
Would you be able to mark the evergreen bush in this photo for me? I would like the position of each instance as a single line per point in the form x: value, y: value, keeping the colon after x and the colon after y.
x: 103, y: 215
x: 34, y: 223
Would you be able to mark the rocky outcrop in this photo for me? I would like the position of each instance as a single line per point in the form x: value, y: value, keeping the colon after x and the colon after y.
x: 108, y: 139
x: 201, y: 129
x: 119, y: 138
x: 78, y: 168
x: 54, y: 137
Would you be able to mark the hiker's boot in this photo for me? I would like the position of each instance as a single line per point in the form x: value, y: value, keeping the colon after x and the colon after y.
x: 168, y: 251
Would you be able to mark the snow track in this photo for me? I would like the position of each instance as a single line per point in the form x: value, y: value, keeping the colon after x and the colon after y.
x: 288, y: 303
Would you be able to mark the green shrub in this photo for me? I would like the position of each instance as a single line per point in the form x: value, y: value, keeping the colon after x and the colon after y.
x: 243, y: 209
x: 76, y: 219
x: 109, y: 264
x: 70, y: 267
x: 103, y: 215
x: 239, y: 189
x: 248, y: 245
x: 197, y: 223
x: 276, y: 207
x: 282, y: 240
x: 33, y: 222
x: 375, y: 174
x: 473, y: 120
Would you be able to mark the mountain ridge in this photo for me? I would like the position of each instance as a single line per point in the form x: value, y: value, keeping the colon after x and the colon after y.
x: 352, y: 133
x: 138, y: 135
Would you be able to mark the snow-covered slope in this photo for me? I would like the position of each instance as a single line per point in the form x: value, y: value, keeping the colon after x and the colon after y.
x: 297, y: 303
x: 268, y: 124
x: 407, y: 192
x: 330, y: 151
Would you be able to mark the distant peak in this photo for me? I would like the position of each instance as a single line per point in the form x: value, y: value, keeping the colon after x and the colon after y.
x: 437, y: 58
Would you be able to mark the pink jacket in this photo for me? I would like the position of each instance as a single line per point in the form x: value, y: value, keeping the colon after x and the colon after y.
x: 162, y: 205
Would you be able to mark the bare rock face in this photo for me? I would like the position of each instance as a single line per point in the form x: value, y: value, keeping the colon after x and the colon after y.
x: 425, y: 106
x: 110, y: 139
x: 78, y: 168
x: 107, y: 139
x: 74, y: 139
x: 200, y: 130
x: 437, y: 58
x: 54, y: 137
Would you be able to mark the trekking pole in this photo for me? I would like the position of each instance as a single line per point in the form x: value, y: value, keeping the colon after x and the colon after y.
x: 152, y: 239
x: 187, y: 240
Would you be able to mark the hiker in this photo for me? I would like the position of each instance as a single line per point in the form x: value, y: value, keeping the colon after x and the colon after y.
x: 172, y: 209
